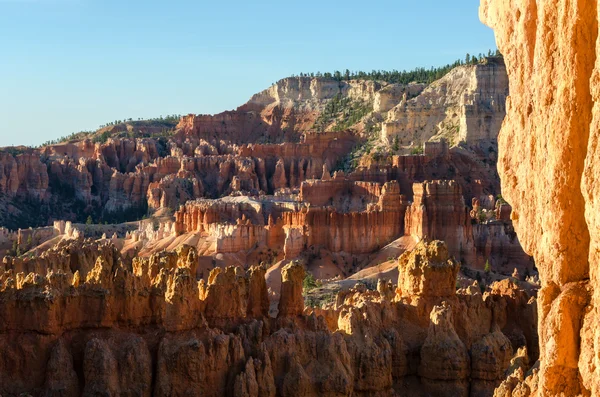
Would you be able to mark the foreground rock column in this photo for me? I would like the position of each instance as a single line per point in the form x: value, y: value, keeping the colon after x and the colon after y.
x: 258, y: 295
x: 445, y: 363
x: 427, y: 271
x: 291, y: 302
x: 549, y: 165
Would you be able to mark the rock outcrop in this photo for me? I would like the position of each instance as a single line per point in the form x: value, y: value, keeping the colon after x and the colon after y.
x: 345, y: 216
x: 281, y: 137
x: 291, y: 302
x: 23, y: 175
x: 549, y: 154
x: 438, y: 212
x: 179, y: 303
x: 150, y: 328
x: 427, y: 271
x: 445, y: 363
x: 465, y: 105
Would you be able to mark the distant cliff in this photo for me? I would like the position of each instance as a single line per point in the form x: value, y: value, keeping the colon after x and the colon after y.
x: 279, y: 138
x: 468, y: 105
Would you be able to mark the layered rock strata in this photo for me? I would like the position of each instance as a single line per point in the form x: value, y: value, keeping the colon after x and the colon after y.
x: 149, y: 328
x: 471, y: 108
x: 438, y: 211
x: 344, y: 216
x: 549, y: 154
x: 279, y: 138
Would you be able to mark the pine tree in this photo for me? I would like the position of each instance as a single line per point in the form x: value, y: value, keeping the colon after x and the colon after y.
x: 396, y: 144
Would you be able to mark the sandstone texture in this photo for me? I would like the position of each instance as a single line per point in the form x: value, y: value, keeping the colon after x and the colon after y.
x: 147, y: 326
x: 281, y: 178
x: 468, y: 104
x: 548, y: 165
x: 281, y: 137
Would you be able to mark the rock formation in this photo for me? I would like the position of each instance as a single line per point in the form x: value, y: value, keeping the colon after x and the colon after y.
x: 264, y: 160
x: 278, y: 139
x: 149, y: 328
x: 205, y: 295
x: 471, y: 107
x: 427, y: 271
x: 445, y: 361
x: 549, y: 154
x: 438, y: 211
x: 291, y: 302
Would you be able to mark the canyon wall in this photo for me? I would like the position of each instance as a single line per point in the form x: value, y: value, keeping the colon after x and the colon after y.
x: 438, y: 212
x: 281, y: 137
x: 465, y: 105
x: 127, y: 176
x: 549, y: 159
x: 354, y: 217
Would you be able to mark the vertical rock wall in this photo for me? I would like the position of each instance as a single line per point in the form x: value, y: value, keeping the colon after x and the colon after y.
x: 548, y: 164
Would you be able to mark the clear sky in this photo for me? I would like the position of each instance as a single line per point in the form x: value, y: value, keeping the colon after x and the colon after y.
x: 71, y: 65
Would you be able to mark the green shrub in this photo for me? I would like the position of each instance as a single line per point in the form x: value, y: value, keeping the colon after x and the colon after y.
x: 344, y: 112
x: 500, y: 199
x: 396, y: 144
x: 14, y: 151
x: 481, y: 216
x: 102, y: 138
x: 417, y: 150
x: 319, y: 300
x: 309, y: 283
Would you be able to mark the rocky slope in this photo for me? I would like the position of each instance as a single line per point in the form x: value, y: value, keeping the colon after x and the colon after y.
x: 147, y: 327
x: 549, y: 168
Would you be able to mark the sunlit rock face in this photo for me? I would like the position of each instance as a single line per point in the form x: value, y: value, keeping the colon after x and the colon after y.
x: 468, y: 104
x: 206, y: 296
x: 549, y: 161
x: 148, y: 327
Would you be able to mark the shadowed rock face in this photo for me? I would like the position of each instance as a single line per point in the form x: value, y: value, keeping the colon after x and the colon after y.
x: 445, y: 360
x: 149, y: 328
x: 549, y: 159
x: 291, y: 302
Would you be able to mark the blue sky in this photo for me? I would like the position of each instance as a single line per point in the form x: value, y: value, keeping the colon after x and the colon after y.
x: 71, y: 65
